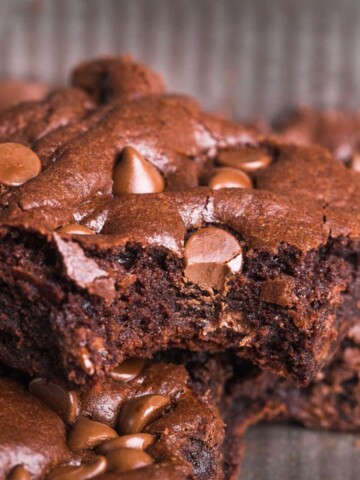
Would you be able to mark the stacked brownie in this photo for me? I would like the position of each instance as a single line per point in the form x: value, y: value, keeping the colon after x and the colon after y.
x: 150, y: 255
x: 332, y: 401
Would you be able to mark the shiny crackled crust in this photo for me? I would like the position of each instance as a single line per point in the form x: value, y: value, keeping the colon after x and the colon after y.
x: 76, y: 306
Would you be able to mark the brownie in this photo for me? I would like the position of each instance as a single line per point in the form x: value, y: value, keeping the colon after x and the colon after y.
x: 332, y: 401
x: 152, y: 419
x: 132, y: 222
x: 337, y: 130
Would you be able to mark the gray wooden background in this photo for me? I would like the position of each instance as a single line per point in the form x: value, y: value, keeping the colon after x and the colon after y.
x: 244, y: 57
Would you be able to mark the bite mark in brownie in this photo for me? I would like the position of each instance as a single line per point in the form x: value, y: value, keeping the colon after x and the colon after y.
x: 76, y: 305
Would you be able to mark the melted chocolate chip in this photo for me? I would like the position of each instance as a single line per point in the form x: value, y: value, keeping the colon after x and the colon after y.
x: 85, y: 362
x: 248, y: 159
x: 139, y: 441
x: 139, y: 412
x: 88, y: 434
x: 134, y: 174
x: 18, y: 164
x: 63, y: 402
x: 211, y: 255
x: 19, y: 473
x: 128, y: 370
x: 124, y: 459
x: 355, y: 162
x: 82, y: 472
x: 75, y: 229
x: 229, y: 178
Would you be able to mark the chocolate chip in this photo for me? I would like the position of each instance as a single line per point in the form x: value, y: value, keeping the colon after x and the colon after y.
x: 75, y: 229
x: 88, y: 434
x: 229, y: 178
x: 124, y: 459
x: 248, y: 159
x: 85, y: 362
x: 134, y: 174
x: 211, y: 255
x: 355, y: 162
x: 128, y: 370
x: 82, y: 472
x: 137, y: 413
x: 139, y: 441
x: 19, y: 473
x: 17, y: 164
x: 63, y: 402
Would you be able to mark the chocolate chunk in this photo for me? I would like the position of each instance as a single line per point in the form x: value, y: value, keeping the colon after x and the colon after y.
x: 88, y: 434
x: 19, y: 473
x: 63, y: 402
x: 248, y: 159
x: 124, y: 459
x: 134, y: 174
x: 229, y: 178
x: 83, y: 472
x: 139, y: 412
x: 211, y: 255
x: 18, y: 164
x: 139, y: 441
x: 128, y: 370
x: 75, y: 229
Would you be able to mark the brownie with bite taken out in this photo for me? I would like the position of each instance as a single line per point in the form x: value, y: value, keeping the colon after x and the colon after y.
x: 132, y: 222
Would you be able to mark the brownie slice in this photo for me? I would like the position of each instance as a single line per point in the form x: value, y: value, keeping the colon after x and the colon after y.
x: 332, y: 401
x: 147, y: 420
x: 337, y: 130
x: 136, y: 222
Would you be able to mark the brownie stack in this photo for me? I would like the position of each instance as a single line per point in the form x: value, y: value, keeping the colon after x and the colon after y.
x: 166, y: 278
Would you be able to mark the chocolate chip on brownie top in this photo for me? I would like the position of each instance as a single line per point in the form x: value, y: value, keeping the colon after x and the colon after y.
x: 129, y: 240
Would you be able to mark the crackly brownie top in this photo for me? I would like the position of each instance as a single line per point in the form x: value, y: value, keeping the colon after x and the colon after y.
x: 337, y: 130
x: 145, y: 420
x: 116, y: 159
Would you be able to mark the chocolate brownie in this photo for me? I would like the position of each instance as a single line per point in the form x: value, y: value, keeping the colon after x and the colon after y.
x: 121, y: 236
x: 337, y: 130
x: 15, y: 91
x: 147, y: 420
x: 332, y: 401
